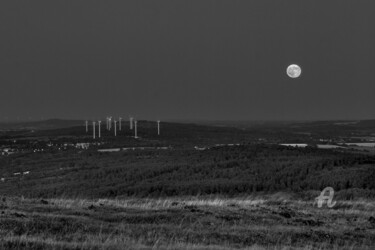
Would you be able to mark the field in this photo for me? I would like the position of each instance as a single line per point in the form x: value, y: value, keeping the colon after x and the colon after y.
x: 264, y: 222
x: 210, y: 186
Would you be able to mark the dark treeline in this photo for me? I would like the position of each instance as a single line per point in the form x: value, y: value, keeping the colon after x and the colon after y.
x: 223, y: 170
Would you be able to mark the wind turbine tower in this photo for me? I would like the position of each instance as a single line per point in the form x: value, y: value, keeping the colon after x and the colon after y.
x: 119, y: 120
x: 115, y: 127
x: 99, y: 122
x: 110, y: 123
x: 93, y: 130
x: 158, y: 127
x: 135, y: 129
x: 131, y: 122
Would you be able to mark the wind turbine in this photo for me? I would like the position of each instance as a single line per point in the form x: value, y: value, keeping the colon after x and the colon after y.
x: 115, y: 127
x: 110, y: 123
x: 158, y: 127
x: 99, y: 122
x: 119, y: 119
x: 135, y: 129
x: 93, y: 130
x: 131, y: 122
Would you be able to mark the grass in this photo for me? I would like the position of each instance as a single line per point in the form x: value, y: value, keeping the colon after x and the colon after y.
x: 264, y: 222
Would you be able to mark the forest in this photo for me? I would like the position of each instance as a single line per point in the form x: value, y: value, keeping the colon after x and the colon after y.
x: 222, y: 170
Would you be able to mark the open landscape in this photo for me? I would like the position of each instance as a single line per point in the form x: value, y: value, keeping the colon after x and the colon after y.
x: 194, y: 186
x: 187, y: 125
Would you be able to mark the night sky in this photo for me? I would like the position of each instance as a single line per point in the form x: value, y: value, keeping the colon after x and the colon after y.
x: 192, y: 59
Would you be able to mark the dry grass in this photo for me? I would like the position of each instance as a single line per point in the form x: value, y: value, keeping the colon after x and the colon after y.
x: 185, y: 223
x: 155, y: 204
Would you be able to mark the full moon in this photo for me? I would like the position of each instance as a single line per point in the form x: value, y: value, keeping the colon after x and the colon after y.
x: 293, y: 71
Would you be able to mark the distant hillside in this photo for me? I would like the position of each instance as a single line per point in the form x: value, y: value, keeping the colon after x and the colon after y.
x: 319, y: 129
x: 40, y: 125
x: 175, y: 134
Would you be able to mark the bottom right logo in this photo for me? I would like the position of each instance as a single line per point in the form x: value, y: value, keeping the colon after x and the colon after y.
x: 323, y: 197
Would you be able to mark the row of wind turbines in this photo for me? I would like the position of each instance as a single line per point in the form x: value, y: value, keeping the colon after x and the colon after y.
x: 132, y: 125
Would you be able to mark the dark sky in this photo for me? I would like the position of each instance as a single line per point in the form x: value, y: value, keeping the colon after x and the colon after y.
x: 187, y: 59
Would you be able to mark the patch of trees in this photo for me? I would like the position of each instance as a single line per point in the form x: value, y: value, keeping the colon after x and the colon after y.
x: 222, y: 170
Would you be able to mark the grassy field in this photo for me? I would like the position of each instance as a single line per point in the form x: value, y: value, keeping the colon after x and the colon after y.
x: 265, y: 222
